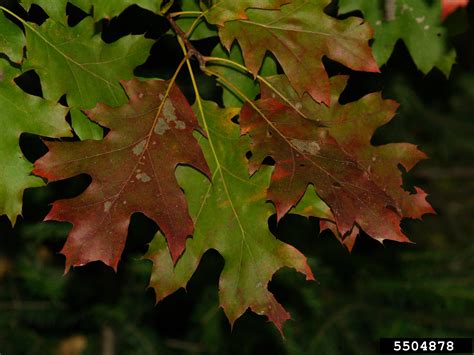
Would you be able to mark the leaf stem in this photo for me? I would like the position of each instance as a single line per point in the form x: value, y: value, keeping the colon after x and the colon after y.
x: 186, y: 13
x: 14, y: 15
x: 194, y: 25
x: 259, y: 77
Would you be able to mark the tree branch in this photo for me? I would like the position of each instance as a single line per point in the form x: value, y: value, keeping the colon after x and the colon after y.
x: 192, y: 51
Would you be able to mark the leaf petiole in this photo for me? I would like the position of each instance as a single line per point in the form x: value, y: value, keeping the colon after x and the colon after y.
x: 186, y: 13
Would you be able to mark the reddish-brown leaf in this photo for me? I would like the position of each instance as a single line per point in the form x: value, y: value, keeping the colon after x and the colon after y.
x: 132, y: 170
x: 299, y: 36
x: 330, y: 148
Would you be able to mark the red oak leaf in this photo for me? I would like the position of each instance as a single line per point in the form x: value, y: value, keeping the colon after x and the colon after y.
x: 132, y: 170
x: 299, y: 36
x: 330, y: 148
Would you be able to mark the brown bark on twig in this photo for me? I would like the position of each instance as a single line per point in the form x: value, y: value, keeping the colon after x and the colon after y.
x: 192, y: 51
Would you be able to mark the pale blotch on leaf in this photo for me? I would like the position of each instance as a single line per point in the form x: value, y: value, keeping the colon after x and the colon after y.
x: 107, y: 206
x: 143, y: 177
x: 169, y: 111
x: 161, y: 127
x: 305, y: 146
x: 138, y: 149
x: 169, y: 114
x: 420, y: 19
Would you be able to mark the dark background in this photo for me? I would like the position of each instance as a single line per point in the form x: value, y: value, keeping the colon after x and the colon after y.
x: 397, y: 290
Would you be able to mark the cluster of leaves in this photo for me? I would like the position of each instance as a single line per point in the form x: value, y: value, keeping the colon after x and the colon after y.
x: 201, y: 171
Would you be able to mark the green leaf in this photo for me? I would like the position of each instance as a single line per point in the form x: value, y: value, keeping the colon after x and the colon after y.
x: 22, y: 113
x: 56, y: 9
x: 84, y: 127
x: 240, y: 233
x: 76, y: 62
x: 243, y: 80
x: 202, y: 30
x: 12, y: 39
x: 311, y: 205
x: 415, y: 22
x: 109, y: 9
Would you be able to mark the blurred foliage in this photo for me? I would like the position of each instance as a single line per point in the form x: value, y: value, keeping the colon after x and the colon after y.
x: 418, y: 290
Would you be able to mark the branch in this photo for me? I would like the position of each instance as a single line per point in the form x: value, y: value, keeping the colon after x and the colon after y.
x: 192, y: 51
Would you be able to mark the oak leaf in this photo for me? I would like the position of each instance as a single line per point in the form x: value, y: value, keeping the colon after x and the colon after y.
x: 239, y: 233
x: 299, y: 36
x: 416, y: 22
x: 12, y: 39
x: 56, y: 9
x: 22, y: 113
x: 76, y: 62
x: 331, y: 149
x: 132, y: 170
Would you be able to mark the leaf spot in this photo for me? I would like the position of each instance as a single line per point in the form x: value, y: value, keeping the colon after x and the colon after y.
x: 420, y: 19
x: 138, y: 149
x: 306, y: 146
x: 143, y: 177
x: 107, y: 206
x: 169, y: 113
x: 161, y: 127
x: 427, y: 27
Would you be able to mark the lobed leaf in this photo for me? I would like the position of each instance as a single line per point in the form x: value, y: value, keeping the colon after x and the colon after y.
x: 415, y: 22
x: 239, y: 233
x: 22, y: 113
x: 361, y: 183
x: 132, y: 170
x: 101, y: 9
x: 76, y: 62
x: 12, y: 39
x: 299, y: 36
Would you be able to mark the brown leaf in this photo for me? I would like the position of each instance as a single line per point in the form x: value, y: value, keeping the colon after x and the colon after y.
x: 300, y: 35
x: 360, y: 182
x: 132, y: 170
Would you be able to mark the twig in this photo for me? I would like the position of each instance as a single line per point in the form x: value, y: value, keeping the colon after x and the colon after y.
x: 192, y: 51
